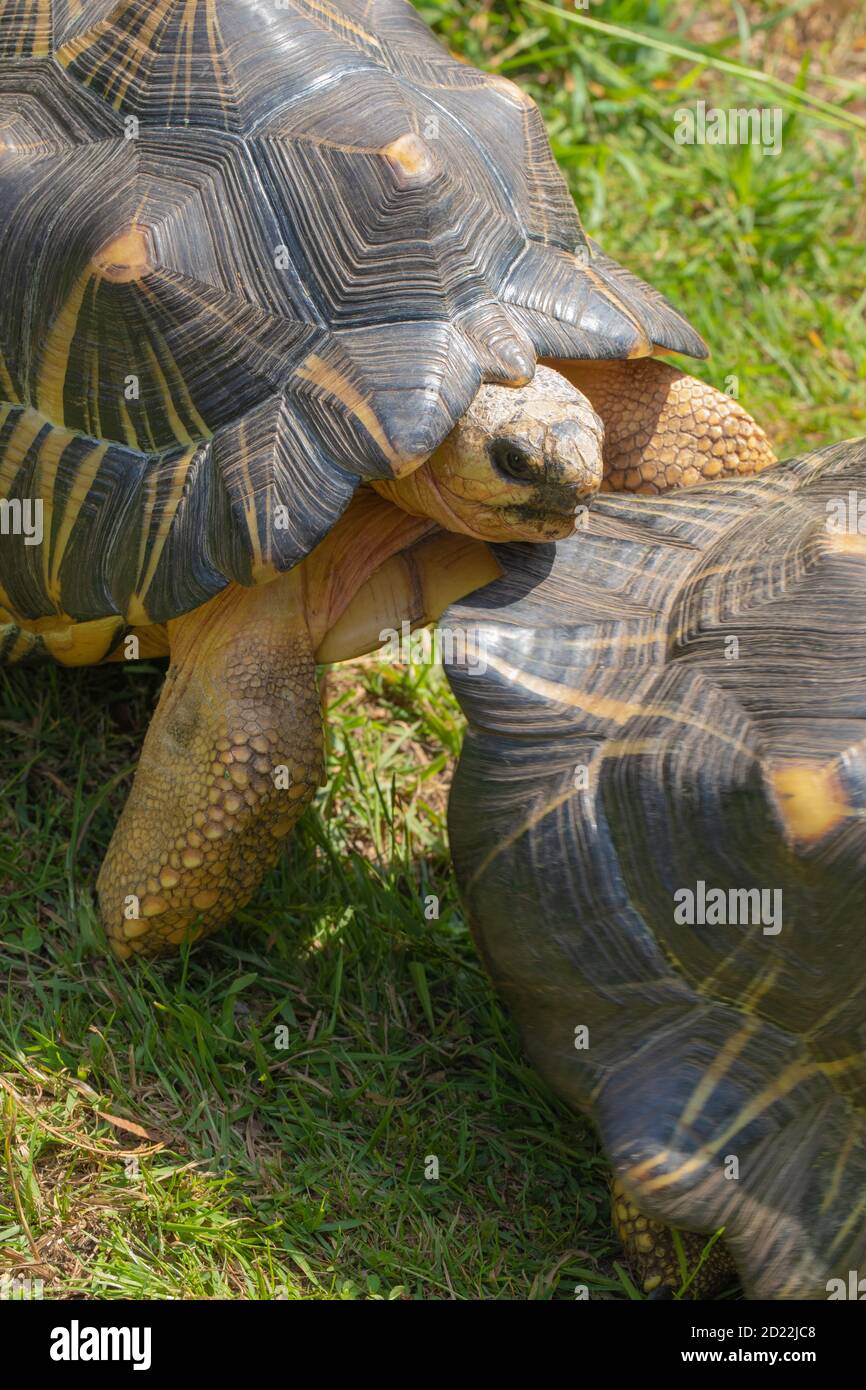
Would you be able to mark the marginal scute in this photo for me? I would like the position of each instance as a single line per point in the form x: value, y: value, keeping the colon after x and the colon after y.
x: 505, y: 87
x: 569, y: 311
x: 505, y: 354
x: 663, y: 324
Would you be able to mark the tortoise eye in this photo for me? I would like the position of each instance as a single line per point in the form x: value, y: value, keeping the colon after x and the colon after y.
x: 509, y: 459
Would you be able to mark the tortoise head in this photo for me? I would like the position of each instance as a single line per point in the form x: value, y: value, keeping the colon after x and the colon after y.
x: 519, y: 465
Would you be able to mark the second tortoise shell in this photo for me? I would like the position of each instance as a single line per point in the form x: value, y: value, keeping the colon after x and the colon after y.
x: 670, y: 707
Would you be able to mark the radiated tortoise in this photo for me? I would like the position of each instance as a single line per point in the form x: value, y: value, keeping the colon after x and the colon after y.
x: 255, y: 255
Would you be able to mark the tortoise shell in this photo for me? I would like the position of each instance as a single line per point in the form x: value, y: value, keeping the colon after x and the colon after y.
x: 253, y: 253
x: 674, y: 698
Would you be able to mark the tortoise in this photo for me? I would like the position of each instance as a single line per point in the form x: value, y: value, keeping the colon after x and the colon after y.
x: 658, y: 824
x: 259, y: 260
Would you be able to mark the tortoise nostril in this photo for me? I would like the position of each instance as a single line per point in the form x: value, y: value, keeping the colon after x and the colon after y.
x: 565, y: 497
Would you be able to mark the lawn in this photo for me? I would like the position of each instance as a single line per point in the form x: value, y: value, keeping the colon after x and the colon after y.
x: 257, y: 1120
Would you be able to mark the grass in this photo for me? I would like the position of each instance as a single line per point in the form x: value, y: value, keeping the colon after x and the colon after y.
x: 161, y: 1137
x: 296, y: 1168
x: 763, y: 254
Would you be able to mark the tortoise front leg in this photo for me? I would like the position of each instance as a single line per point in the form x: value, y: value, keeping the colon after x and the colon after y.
x: 651, y: 1251
x: 665, y: 429
x: 232, y: 756
x: 234, y: 751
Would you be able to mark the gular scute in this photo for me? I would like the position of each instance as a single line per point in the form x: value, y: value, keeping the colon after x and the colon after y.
x: 659, y: 829
x: 213, y: 215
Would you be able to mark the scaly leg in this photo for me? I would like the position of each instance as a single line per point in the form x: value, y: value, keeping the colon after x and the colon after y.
x: 234, y: 751
x: 232, y: 756
x: 664, y: 429
x: 652, y: 1254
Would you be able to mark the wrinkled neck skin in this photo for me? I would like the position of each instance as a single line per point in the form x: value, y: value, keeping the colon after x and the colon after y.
x: 380, y: 567
x: 430, y: 491
x: 369, y: 533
